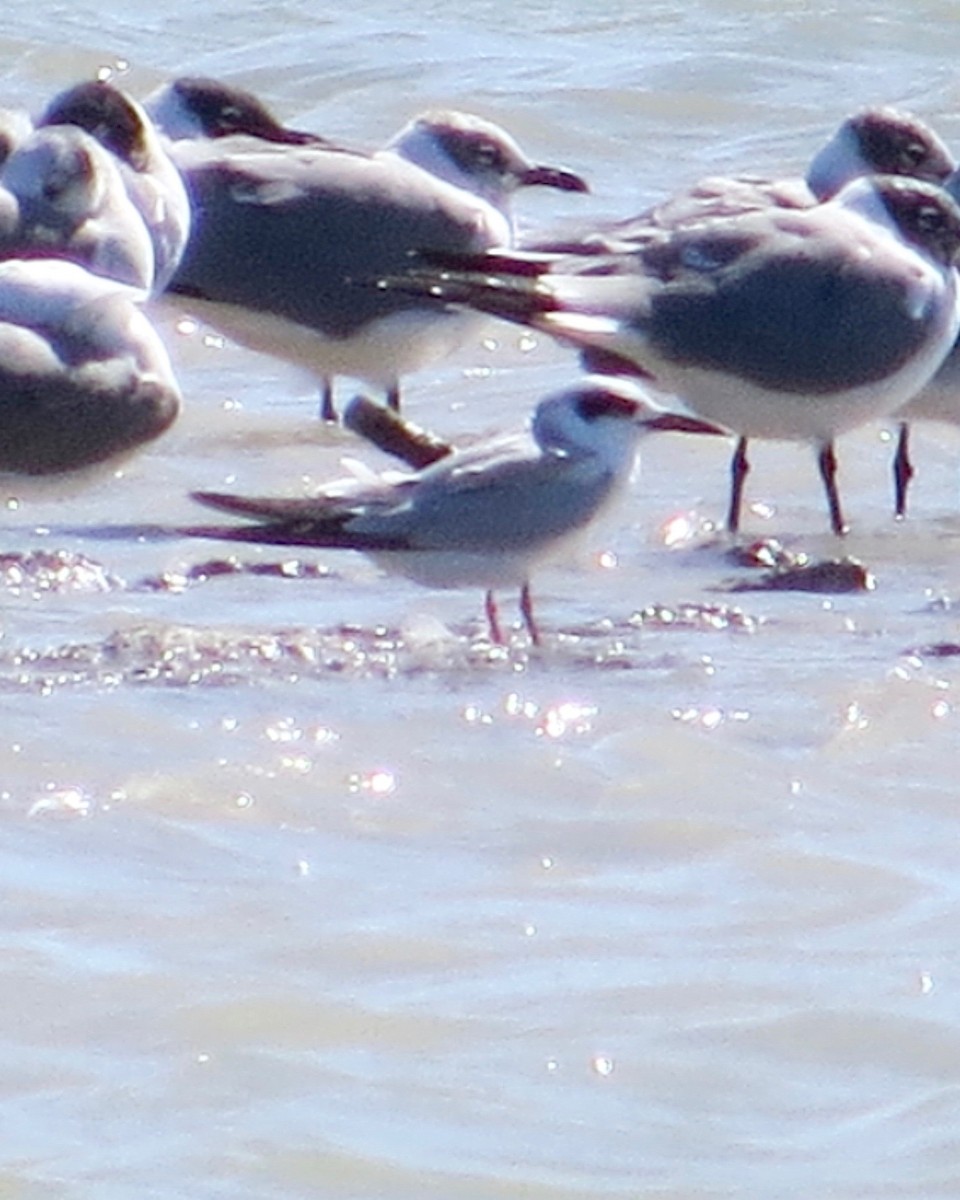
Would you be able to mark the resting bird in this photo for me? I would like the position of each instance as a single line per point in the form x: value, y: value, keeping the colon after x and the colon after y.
x: 152, y: 182
x: 196, y: 106
x: 62, y: 195
x: 485, y: 516
x: 84, y: 379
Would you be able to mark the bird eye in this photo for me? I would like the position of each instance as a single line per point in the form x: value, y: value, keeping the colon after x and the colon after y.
x: 487, y: 154
x: 913, y: 154
x: 929, y: 217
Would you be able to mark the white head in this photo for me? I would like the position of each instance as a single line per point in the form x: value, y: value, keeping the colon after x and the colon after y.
x: 605, y: 416
x: 476, y: 155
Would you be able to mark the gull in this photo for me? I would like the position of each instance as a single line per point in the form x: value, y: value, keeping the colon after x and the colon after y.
x: 779, y: 323
x: 152, y: 182
x: 877, y: 140
x: 84, y: 378
x: 196, y: 106
x: 62, y: 195
x: 484, y: 516
x: 287, y: 240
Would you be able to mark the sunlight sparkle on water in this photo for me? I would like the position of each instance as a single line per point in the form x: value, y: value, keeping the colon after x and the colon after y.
x: 62, y: 801
x: 855, y: 718
x: 708, y: 718
x: 473, y: 714
x: 678, y: 531
x: 285, y: 730
x: 763, y: 509
x: 569, y: 717
x: 379, y: 782
x: 552, y: 721
x: 298, y: 764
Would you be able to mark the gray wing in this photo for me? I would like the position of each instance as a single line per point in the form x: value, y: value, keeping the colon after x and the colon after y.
x: 519, y: 504
x: 306, y: 235
x: 497, y: 497
x: 792, y: 311
x: 711, y: 197
x: 779, y: 297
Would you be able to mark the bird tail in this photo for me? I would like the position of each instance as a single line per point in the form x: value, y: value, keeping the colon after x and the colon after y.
x: 505, y: 285
x: 278, y: 522
x: 285, y: 522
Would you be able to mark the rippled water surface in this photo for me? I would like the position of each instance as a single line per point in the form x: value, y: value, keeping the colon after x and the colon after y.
x: 308, y: 891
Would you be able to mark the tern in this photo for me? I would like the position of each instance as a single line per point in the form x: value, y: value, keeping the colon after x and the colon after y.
x: 84, y: 378
x: 778, y: 323
x: 484, y: 516
x: 287, y: 240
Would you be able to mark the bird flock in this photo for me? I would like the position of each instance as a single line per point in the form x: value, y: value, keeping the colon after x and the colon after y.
x: 752, y: 307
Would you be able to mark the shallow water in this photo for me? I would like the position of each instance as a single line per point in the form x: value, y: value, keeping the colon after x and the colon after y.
x: 308, y: 891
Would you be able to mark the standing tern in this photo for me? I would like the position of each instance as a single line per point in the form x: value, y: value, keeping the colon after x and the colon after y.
x: 484, y: 516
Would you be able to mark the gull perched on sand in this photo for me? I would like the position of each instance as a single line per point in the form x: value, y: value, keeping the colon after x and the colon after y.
x: 485, y: 516
x: 778, y: 323
x: 288, y: 239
